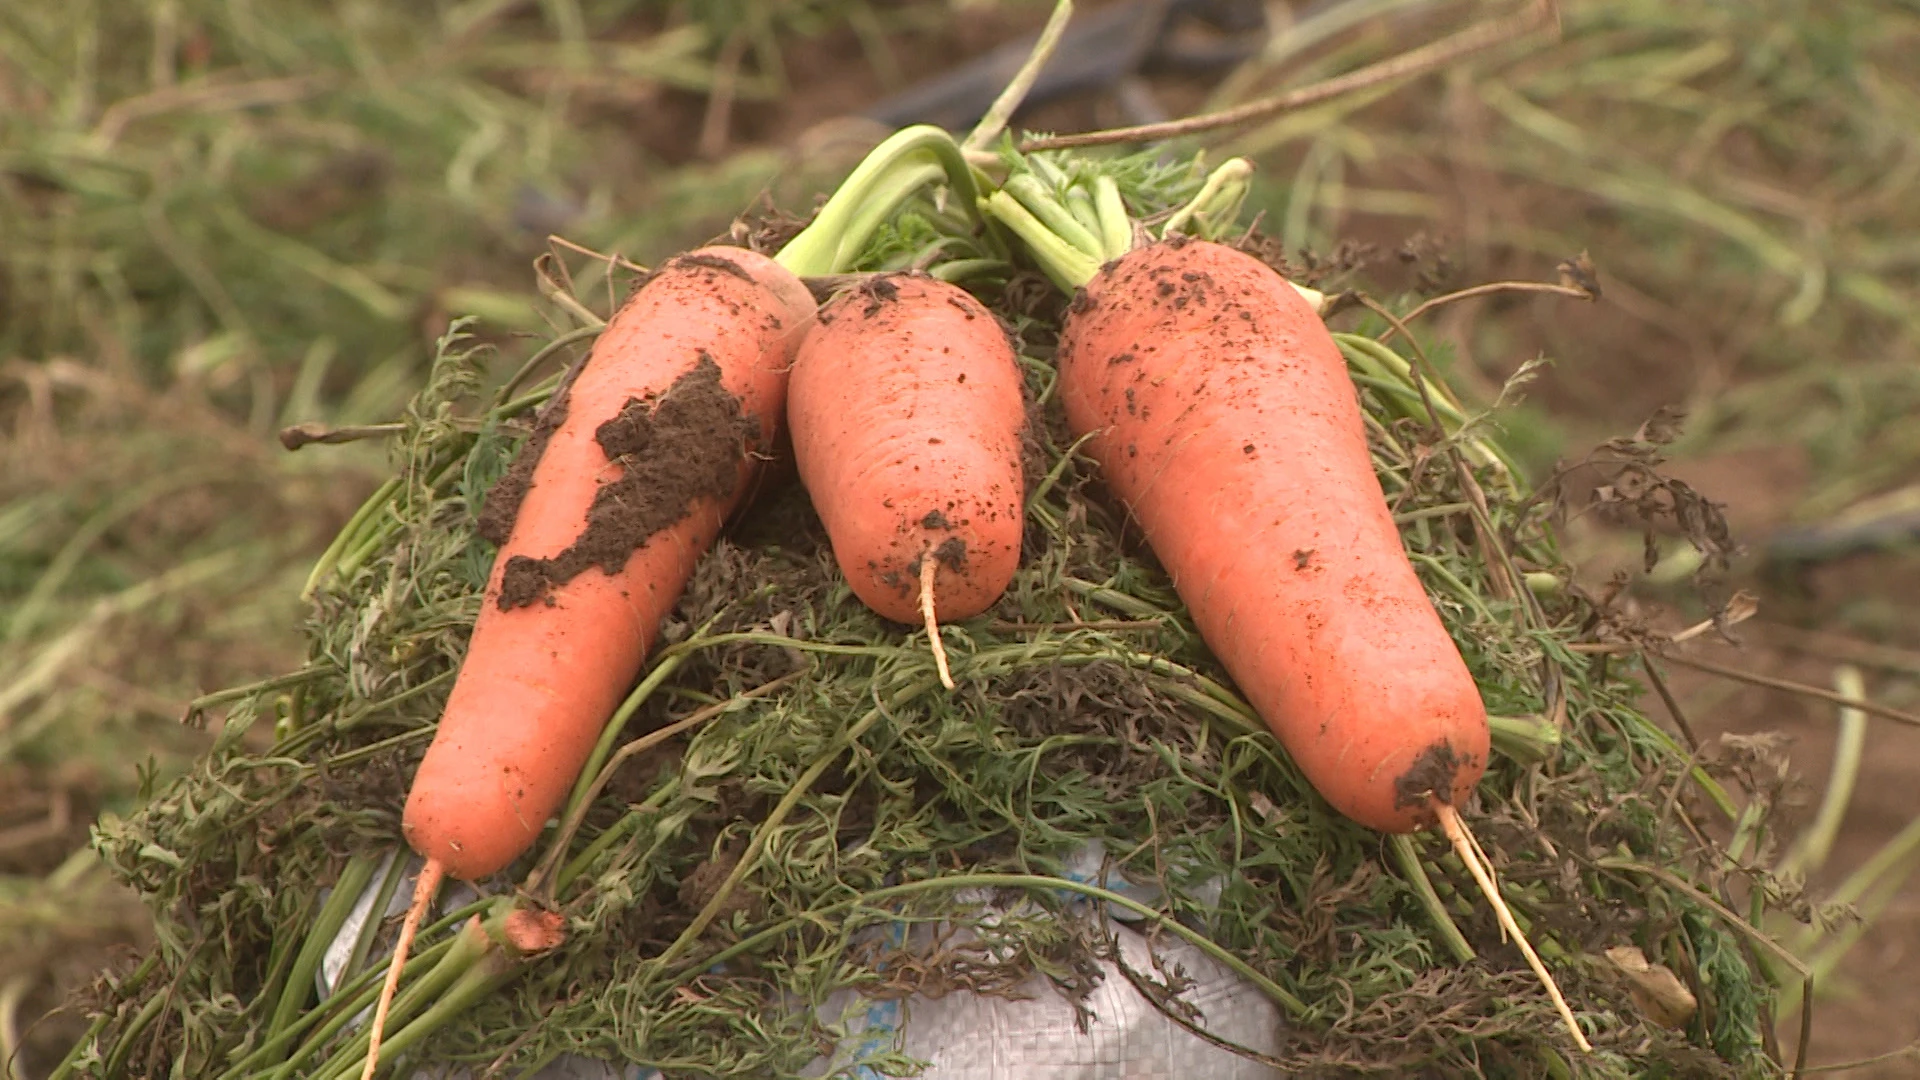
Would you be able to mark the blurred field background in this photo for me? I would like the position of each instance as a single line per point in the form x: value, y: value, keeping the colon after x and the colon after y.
x: 222, y: 217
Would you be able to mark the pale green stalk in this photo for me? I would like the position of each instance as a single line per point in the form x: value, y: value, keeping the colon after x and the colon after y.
x: 1810, y: 851
x: 846, y: 223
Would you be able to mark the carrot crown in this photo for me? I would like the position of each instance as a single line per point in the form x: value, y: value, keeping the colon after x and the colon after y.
x: 907, y: 162
x: 1072, y: 213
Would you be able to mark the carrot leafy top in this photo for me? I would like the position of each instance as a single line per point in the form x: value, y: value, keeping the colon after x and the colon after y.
x: 1074, y: 212
x: 899, y: 169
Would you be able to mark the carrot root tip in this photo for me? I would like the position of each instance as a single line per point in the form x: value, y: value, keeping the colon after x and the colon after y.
x: 1468, y: 848
x: 929, y: 569
x: 424, y: 888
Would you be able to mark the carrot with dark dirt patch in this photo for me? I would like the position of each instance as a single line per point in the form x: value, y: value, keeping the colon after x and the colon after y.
x: 906, y: 412
x: 632, y: 476
x: 625, y: 484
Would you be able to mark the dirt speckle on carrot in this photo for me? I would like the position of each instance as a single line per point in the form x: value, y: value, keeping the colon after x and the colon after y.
x: 952, y: 554
x: 1429, y: 777
x: 673, y: 448
x: 879, y: 292
x: 714, y: 262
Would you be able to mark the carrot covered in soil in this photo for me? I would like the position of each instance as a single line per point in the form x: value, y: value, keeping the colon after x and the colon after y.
x: 599, y: 529
x: 625, y: 483
x: 906, y: 412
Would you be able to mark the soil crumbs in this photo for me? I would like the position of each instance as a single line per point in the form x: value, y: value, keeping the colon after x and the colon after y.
x: 673, y: 448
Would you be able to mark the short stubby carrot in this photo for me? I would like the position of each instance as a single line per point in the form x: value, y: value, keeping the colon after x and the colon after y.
x: 624, y: 485
x: 907, y: 414
x: 1228, y: 425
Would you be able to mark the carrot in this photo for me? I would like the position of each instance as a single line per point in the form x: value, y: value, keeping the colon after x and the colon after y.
x: 1227, y: 424
x: 1220, y: 412
x: 642, y: 460
x: 906, y: 412
x: 631, y: 471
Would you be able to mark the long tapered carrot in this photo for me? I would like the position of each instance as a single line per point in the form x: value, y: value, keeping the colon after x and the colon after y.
x: 637, y: 468
x: 1225, y: 420
x: 625, y: 484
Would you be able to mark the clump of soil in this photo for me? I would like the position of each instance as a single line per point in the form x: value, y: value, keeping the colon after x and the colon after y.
x: 673, y: 448
x: 502, y: 506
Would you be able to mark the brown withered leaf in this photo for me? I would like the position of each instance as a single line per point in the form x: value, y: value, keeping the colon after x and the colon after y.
x: 1632, y: 486
x: 1662, y: 427
x: 1657, y: 991
x: 1580, y: 273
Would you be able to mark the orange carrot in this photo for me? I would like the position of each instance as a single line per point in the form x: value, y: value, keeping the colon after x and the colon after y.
x: 906, y: 412
x: 631, y: 471
x: 1228, y: 425
x: 629, y: 489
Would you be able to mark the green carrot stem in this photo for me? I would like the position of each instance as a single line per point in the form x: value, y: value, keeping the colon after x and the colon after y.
x: 472, y: 945
x: 65, y: 1068
x: 1004, y: 106
x: 1045, y: 487
x: 352, y: 997
x: 131, y: 985
x: 347, y: 536
x: 116, y: 1063
x: 1809, y: 853
x: 1525, y: 739
x: 1416, y: 874
x: 357, y: 995
x: 631, y: 820
x: 533, y: 363
x: 1079, y: 203
x: 1053, y: 213
x: 333, y: 914
x: 377, y: 912
x: 954, y: 271
x: 1068, y: 266
x: 494, y: 970
x: 542, y: 391
x: 1218, y: 199
x: 845, y: 224
x: 890, y: 193
x: 1043, y: 166
x: 1116, y: 228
